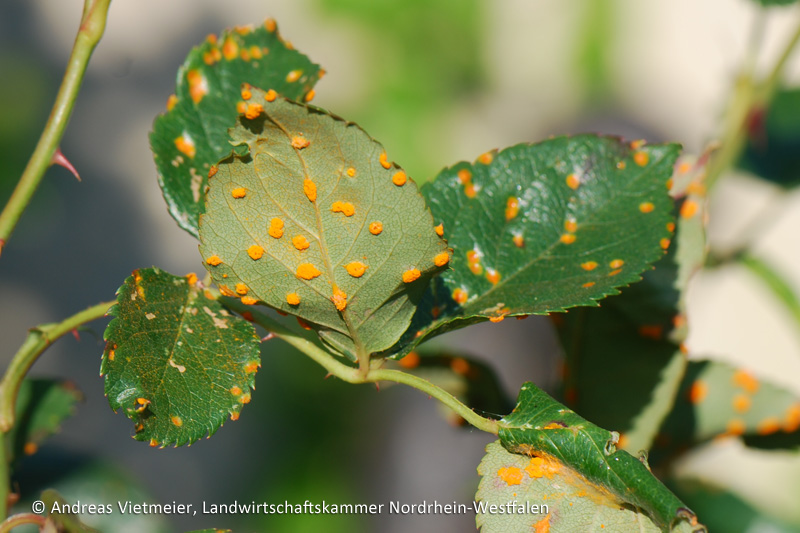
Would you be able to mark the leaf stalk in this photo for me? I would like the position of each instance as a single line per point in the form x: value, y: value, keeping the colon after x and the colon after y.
x: 356, y: 375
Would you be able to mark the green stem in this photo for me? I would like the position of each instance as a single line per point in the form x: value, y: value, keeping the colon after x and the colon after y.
x: 323, y: 358
x: 38, y: 340
x: 775, y: 282
x: 93, y: 23
x: 356, y: 375
x: 484, y: 424
x: 5, y: 480
x: 21, y: 519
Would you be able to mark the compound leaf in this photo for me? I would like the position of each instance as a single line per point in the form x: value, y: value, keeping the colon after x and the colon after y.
x: 548, y: 496
x: 42, y: 405
x: 539, y: 228
x: 192, y: 135
x: 176, y: 361
x: 541, y: 427
x: 316, y: 222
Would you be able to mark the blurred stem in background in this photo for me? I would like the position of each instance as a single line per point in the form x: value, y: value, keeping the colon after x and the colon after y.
x: 427, y: 57
x: 594, y: 53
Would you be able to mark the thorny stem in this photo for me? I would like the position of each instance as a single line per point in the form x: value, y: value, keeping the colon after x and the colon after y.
x: 93, y: 23
x: 749, y: 95
x: 21, y: 519
x: 38, y: 340
x: 356, y: 375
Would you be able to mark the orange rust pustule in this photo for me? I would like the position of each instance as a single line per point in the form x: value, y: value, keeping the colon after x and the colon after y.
x: 307, y: 271
x: 346, y: 208
x: 300, y: 242
x: 410, y: 361
x: 339, y: 298
x: 310, y: 189
x: 355, y: 268
x: 411, y: 275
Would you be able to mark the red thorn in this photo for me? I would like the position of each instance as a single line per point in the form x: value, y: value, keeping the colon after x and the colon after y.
x: 59, y: 159
x: 327, y: 375
x: 268, y: 337
x: 377, y: 386
x: 76, y: 335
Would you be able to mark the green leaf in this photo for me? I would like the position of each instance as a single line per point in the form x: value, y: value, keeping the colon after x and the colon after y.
x: 63, y: 521
x: 42, y: 405
x: 724, y: 511
x: 773, y: 142
x: 540, y: 426
x: 314, y: 221
x: 192, y: 135
x: 473, y: 382
x: 539, y: 228
x: 548, y: 496
x: 717, y: 399
x: 176, y: 361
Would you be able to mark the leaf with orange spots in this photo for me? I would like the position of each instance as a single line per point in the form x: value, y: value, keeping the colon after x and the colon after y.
x: 470, y: 380
x: 176, y: 362
x: 578, y: 231
x: 589, y: 461
x: 716, y: 399
x: 192, y: 135
x: 540, y: 494
x: 622, y: 362
x: 358, y: 288
x: 42, y: 405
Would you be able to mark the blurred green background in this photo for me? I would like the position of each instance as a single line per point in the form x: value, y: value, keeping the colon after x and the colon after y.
x: 436, y: 81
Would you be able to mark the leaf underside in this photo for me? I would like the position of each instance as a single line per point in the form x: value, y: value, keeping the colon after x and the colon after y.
x: 716, y: 399
x: 573, y: 503
x: 539, y: 228
x: 193, y: 134
x: 176, y: 362
x: 314, y: 221
x: 540, y: 426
